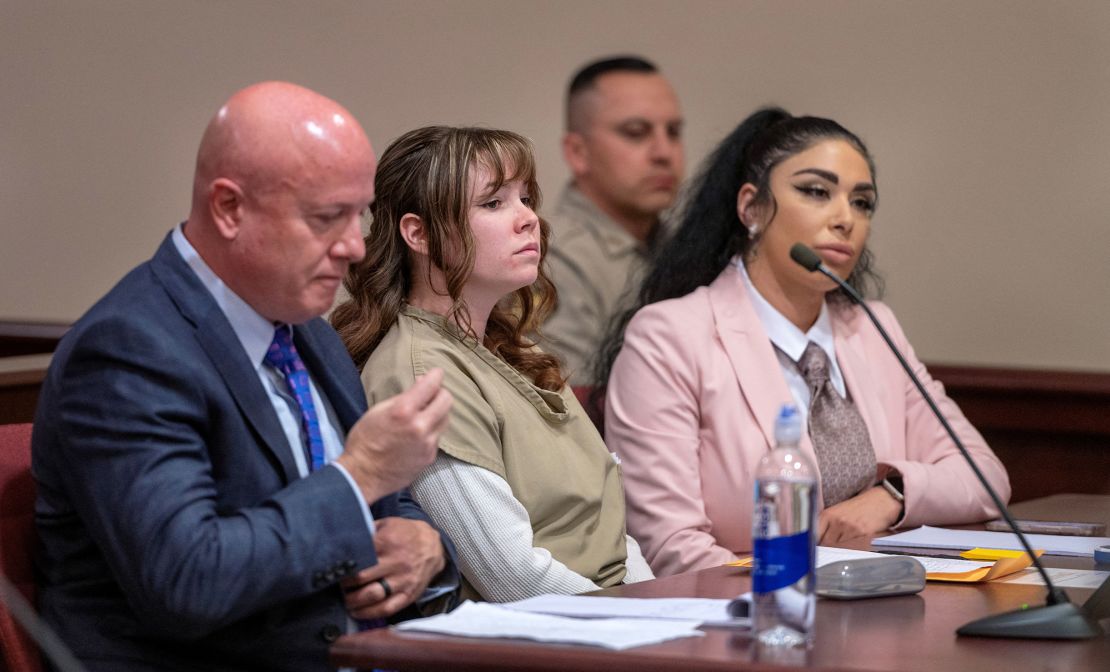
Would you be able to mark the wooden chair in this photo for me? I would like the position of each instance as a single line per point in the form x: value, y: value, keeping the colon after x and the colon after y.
x: 17, y: 542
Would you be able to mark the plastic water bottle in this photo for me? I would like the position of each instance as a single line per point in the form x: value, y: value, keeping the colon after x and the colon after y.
x: 784, y: 582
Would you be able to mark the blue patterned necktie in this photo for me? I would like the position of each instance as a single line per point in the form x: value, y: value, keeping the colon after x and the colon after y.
x: 283, y: 356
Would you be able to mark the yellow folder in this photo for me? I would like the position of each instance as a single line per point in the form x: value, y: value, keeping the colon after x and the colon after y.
x: 1005, y: 563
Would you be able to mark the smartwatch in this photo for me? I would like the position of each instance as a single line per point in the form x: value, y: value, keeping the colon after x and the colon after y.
x: 893, y: 485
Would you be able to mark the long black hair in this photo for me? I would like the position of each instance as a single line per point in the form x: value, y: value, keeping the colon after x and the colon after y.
x: 710, y: 233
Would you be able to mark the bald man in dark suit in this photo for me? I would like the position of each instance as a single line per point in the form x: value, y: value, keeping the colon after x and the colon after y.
x: 213, y: 493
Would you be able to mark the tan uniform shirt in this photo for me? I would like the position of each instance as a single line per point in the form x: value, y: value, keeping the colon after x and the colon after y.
x: 593, y: 262
x: 540, y: 442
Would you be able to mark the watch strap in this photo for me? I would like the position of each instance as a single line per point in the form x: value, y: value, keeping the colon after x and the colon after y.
x: 893, y: 485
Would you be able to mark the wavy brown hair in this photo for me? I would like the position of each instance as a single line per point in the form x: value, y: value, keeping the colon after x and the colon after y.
x: 427, y: 172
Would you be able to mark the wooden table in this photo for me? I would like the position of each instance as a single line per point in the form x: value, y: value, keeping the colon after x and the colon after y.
x: 899, y: 633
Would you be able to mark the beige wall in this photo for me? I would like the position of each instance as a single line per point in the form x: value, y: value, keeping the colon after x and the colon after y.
x: 990, y: 122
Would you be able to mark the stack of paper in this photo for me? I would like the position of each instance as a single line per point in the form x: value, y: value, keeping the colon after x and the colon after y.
x: 1061, y: 578
x: 935, y: 537
x: 705, y: 611
x: 473, y: 619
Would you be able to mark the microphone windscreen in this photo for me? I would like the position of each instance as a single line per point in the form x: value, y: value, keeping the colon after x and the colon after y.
x: 805, y: 257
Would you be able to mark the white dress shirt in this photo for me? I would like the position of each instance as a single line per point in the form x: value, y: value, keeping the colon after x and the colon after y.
x: 790, y: 342
x: 255, y: 333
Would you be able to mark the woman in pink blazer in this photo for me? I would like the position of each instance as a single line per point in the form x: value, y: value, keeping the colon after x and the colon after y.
x: 716, y: 347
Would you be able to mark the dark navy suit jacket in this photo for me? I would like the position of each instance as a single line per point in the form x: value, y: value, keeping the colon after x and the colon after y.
x: 176, y: 532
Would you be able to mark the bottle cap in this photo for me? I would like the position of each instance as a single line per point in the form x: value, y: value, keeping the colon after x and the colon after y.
x: 1102, y: 555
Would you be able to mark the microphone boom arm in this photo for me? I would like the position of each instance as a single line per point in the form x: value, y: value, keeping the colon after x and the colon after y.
x: 1059, y: 618
x: 1055, y: 595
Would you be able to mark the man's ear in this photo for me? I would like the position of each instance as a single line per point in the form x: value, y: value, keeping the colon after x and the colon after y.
x: 414, y: 233
x: 225, y: 204
x: 576, y: 153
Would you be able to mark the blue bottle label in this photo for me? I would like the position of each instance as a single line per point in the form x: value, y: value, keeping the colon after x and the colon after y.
x: 780, y: 562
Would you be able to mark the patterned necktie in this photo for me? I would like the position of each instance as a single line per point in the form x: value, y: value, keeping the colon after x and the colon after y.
x: 840, y: 440
x: 283, y: 356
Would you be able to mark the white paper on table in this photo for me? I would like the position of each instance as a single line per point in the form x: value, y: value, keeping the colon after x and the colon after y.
x: 707, y: 611
x: 1061, y: 578
x: 827, y: 555
x: 473, y: 619
x: 935, y: 537
x: 951, y: 565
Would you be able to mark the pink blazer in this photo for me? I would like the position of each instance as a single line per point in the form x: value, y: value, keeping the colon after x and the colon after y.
x: 691, y: 407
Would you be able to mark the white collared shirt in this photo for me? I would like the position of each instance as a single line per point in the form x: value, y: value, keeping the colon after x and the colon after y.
x: 790, y: 342
x: 255, y: 333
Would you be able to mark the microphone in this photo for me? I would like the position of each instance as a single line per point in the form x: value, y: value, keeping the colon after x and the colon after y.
x: 808, y: 259
x: 1059, y: 618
